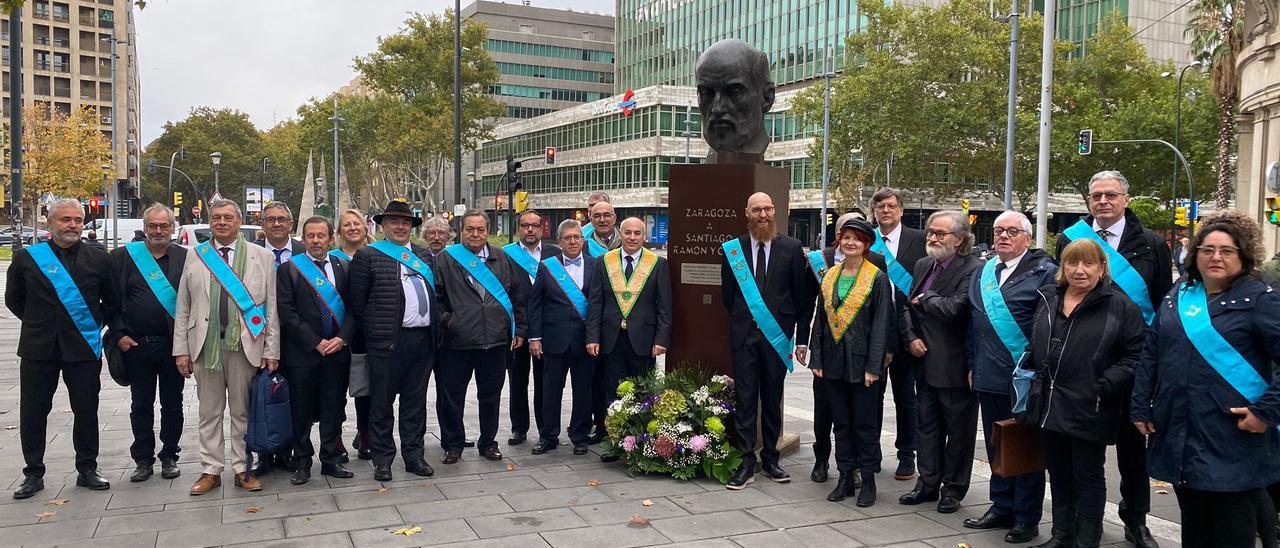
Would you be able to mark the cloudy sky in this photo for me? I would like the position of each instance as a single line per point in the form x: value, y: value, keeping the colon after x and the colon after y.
x: 265, y: 57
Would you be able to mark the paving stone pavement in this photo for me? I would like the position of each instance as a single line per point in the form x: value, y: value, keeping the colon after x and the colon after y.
x: 526, y: 501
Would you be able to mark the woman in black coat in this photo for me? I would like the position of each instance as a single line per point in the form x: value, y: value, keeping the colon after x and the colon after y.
x: 1088, y: 337
x: 847, y: 354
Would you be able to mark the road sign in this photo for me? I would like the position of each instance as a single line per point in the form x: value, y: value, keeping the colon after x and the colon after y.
x: 459, y: 210
x: 195, y: 210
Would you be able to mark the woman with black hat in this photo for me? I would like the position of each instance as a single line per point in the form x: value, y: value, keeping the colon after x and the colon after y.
x: 847, y: 353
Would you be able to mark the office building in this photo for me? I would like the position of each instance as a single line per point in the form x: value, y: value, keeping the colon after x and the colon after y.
x: 1258, y: 124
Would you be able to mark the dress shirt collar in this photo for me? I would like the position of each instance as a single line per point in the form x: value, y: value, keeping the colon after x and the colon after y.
x: 1117, y: 229
x: 635, y: 257
x: 894, y: 234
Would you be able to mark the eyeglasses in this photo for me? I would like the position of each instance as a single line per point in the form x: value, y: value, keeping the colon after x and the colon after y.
x: 1225, y: 251
x: 1110, y: 196
x: 1011, y: 232
x: 474, y: 230
x: 162, y: 226
x: 530, y: 225
x: 571, y: 237
x: 277, y: 220
x: 762, y: 210
x: 602, y: 215
x: 938, y: 234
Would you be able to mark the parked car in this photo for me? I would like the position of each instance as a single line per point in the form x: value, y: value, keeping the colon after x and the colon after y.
x: 104, y: 228
x: 6, y: 235
x: 191, y: 235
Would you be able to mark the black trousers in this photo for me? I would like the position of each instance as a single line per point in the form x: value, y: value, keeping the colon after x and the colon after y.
x: 1226, y: 520
x: 1078, y: 480
x: 319, y: 389
x: 599, y: 396
x: 620, y: 364
x: 904, y: 375
x: 1131, y: 459
x: 948, y: 431
x: 822, y: 425
x: 404, y: 372
x: 38, y: 380
x: 518, y: 393
x: 556, y: 367
x: 490, y: 370
x: 856, y: 411
x: 1019, y: 496
x: 149, y: 366
x: 758, y: 378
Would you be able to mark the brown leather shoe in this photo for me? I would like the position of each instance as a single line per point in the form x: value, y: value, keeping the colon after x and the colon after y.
x: 492, y: 453
x: 206, y: 483
x: 451, y: 457
x: 246, y: 481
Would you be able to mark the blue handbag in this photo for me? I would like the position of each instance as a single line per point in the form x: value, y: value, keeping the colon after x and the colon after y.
x: 270, y: 419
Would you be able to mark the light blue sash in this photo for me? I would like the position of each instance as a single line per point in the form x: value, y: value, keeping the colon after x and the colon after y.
x: 998, y: 313
x: 1121, y: 271
x: 478, y: 270
x: 399, y: 253
x: 571, y: 290
x: 320, y: 284
x: 1022, y: 385
x: 339, y: 254
x: 594, y: 248
x: 588, y: 230
x: 254, y: 314
x: 817, y: 263
x: 523, y: 258
x: 1193, y: 310
x: 156, y: 280
x: 72, y: 300
x: 898, y: 274
x: 755, y: 302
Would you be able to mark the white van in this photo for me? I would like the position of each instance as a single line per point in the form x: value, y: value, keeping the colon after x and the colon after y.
x: 104, y: 227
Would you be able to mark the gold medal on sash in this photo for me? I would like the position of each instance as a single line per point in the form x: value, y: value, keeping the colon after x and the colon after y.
x: 623, y: 325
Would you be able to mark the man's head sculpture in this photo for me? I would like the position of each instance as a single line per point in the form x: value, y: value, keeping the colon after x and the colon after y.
x: 734, y: 93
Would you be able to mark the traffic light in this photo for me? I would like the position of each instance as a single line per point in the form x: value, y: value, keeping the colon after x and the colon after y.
x: 522, y: 201
x: 1180, y: 216
x: 964, y: 205
x: 1273, y: 210
x: 177, y: 199
x: 93, y: 204
x: 182, y: 153
x: 1084, y: 142
x: 551, y: 155
x: 513, y: 177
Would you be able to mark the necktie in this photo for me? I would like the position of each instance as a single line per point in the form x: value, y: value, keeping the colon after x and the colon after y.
x: 761, y: 265
x: 420, y: 288
x: 278, y: 252
x: 1105, y: 234
x: 326, y: 315
x: 999, y: 269
x: 223, y: 305
x: 573, y: 262
x: 630, y: 267
x: 886, y: 239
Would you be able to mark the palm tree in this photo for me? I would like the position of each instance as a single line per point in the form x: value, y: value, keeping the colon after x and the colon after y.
x: 1217, y: 36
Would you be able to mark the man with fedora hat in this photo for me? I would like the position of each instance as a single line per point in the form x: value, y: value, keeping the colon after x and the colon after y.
x: 392, y: 293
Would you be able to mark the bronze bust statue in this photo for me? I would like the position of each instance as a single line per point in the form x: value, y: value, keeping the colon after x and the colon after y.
x: 734, y: 93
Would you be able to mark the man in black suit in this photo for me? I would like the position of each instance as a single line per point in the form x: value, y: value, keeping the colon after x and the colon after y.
x: 906, y: 246
x: 484, y: 305
x: 630, y: 339
x: 56, y: 341
x: 1110, y: 218
x: 557, y: 335
x: 317, y: 359
x: 781, y: 281
x: 525, y: 256
x: 143, y: 331
x: 937, y: 324
x: 394, y: 302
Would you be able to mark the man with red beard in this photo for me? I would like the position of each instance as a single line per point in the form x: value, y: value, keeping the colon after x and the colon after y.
x: 767, y: 291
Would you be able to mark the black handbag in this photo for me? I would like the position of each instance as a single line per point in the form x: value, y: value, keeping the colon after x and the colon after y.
x: 115, y: 360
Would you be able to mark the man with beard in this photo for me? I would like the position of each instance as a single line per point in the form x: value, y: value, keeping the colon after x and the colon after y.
x: 734, y: 93
x: 1139, y: 264
x: 629, y: 311
x: 438, y: 234
x: 61, y: 291
x: 603, y: 238
x: 525, y: 255
x: 766, y: 290
x: 147, y: 274
x: 937, y: 325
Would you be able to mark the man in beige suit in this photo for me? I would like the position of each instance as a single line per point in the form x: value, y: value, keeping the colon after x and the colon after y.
x: 224, y: 336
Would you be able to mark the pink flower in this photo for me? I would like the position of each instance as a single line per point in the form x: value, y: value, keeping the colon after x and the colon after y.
x: 664, y: 447
x: 698, y: 443
x: 629, y: 444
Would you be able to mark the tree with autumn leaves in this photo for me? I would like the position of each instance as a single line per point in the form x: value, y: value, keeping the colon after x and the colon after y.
x: 64, y: 154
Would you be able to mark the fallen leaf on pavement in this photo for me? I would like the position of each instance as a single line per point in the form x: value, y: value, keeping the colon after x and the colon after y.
x: 252, y: 510
x: 309, y: 518
x: 638, y: 521
x: 510, y: 467
x: 58, y: 502
x: 11, y: 427
x: 962, y: 545
x: 382, y: 488
x: 647, y: 502
x: 1162, y: 492
x: 408, y: 531
x: 593, y: 483
x: 1158, y: 483
x: 46, y: 514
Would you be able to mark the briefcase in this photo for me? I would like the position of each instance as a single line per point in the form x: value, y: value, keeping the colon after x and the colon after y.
x: 1016, y: 449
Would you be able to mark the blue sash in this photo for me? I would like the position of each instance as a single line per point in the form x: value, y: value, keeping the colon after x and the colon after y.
x: 817, y: 263
x: 320, y: 285
x: 755, y: 302
x: 339, y: 254
x: 478, y: 270
x: 523, y: 258
x: 254, y: 314
x: 998, y: 313
x: 1193, y: 310
x: 69, y: 293
x: 594, y: 248
x: 399, y: 253
x: 1121, y: 271
x: 588, y: 230
x: 898, y: 274
x: 571, y: 290
x: 156, y: 280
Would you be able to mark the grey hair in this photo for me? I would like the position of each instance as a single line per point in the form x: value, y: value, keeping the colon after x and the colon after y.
x: 224, y: 203
x: 474, y: 213
x: 598, y: 197
x: 66, y: 202
x: 153, y: 208
x: 437, y: 220
x: 568, y: 223
x: 1110, y: 174
x: 960, y: 229
x: 278, y: 205
x: 1022, y: 219
x: 886, y: 193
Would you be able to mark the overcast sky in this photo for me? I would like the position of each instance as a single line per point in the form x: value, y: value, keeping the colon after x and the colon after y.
x: 264, y: 57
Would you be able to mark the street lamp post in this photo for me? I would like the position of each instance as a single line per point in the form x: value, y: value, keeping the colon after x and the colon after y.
x: 471, y: 177
x: 172, y: 157
x: 827, y: 70
x: 457, y: 105
x: 217, y: 159
x: 1177, y: 131
x: 262, y: 183
x: 106, y: 188
x: 1012, y: 105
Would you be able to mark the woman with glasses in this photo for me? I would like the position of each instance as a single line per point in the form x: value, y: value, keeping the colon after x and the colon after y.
x: 353, y: 235
x: 1086, y: 340
x: 1205, y: 394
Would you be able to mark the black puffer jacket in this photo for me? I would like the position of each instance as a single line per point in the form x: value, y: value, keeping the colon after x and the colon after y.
x: 376, y: 297
x: 1084, y: 369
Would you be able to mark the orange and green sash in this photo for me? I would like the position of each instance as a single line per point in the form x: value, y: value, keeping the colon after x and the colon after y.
x: 841, y: 315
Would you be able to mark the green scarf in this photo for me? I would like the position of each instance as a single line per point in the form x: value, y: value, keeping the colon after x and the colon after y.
x: 214, y: 341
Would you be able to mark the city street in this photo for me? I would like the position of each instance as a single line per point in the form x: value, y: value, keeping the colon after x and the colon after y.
x: 525, y: 501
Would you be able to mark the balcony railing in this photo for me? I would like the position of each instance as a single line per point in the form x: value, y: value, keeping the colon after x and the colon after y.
x: 42, y: 40
x: 62, y: 17
x: 62, y: 42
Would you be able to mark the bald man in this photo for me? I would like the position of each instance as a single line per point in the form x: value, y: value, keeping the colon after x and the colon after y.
x: 603, y: 237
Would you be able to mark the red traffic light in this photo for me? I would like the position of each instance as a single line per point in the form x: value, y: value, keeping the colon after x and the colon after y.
x: 551, y: 155
x: 93, y: 203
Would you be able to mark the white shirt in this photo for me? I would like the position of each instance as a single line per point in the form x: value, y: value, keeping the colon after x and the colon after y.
x: 635, y: 258
x: 755, y: 248
x: 411, y: 317
x: 1116, y: 230
x: 475, y: 284
x: 286, y: 251
x: 1009, y: 267
x: 327, y: 268
x: 575, y: 271
x: 536, y: 253
x: 892, y: 239
x: 231, y: 254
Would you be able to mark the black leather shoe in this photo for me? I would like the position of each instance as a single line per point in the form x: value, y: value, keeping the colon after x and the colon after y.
x: 743, y: 477
x: 609, y: 458
x: 989, y: 520
x: 517, y: 439
x: 948, y: 505
x: 906, y: 470
x: 335, y: 471
x: 1022, y: 532
x: 1140, y: 536
x: 382, y: 472
x: 420, y: 468
x: 92, y: 479
x: 468, y: 443
x: 867, y: 496
x: 30, y: 486
x: 451, y: 457
x: 775, y: 473
x: 301, y: 474
x: 580, y: 449
x: 596, y: 437
x: 819, y: 473
x: 542, y: 447
x: 1058, y: 541
x: 142, y: 473
x: 918, y: 496
x: 844, y: 488
x: 169, y: 468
